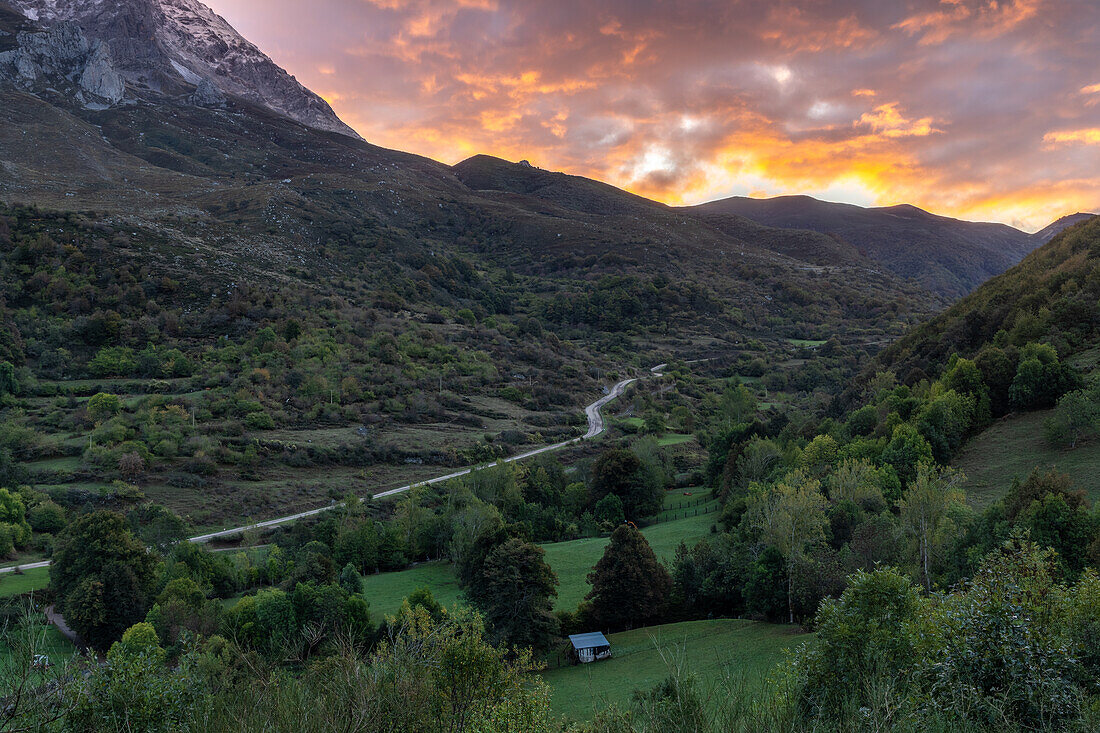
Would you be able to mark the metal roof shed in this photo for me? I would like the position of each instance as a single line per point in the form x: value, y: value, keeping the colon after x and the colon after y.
x: 590, y: 647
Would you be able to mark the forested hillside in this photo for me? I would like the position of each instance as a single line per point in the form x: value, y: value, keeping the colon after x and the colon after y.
x: 1051, y: 296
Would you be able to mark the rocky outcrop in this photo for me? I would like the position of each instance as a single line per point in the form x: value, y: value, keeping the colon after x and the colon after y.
x: 207, y: 95
x: 62, y: 57
x: 100, y: 78
x: 170, y: 46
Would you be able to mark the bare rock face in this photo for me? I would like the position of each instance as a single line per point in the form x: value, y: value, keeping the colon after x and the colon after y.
x: 207, y: 95
x: 60, y: 56
x: 169, y: 47
x: 100, y: 78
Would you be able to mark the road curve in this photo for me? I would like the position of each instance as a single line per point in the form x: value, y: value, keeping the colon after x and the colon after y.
x: 595, y: 427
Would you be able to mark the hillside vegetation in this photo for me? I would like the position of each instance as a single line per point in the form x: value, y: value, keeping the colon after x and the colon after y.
x: 945, y: 255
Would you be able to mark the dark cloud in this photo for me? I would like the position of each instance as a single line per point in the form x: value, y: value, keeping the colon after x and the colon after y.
x: 969, y: 107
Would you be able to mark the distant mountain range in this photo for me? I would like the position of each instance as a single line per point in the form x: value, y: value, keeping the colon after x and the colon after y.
x: 159, y: 110
x: 946, y: 255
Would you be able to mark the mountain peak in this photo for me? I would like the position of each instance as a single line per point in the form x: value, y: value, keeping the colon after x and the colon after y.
x: 171, y: 46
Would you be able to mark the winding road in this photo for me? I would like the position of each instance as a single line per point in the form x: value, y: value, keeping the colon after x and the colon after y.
x: 595, y: 427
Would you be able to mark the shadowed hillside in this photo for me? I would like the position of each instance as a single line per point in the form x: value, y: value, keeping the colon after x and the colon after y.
x: 947, y: 255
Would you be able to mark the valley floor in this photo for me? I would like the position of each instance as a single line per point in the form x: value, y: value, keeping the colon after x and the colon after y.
x: 571, y: 561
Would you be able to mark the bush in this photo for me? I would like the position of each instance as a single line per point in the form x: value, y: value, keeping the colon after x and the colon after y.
x: 47, y: 517
x: 259, y: 421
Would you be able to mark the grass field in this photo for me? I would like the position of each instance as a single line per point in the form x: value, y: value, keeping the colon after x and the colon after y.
x: 14, y: 584
x: 385, y: 591
x: 1013, y: 447
x: 724, y: 648
x: 571, y: 560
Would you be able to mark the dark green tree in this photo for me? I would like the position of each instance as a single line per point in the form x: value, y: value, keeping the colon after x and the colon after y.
x: 102, y: 576
x: 8, y: 385
x: 629, y: 585
x: 609, y: 510
x: 619, y: 472
x: 518, y: 588
x: 906, y: 450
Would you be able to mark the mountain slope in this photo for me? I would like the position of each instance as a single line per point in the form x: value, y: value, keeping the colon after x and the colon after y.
x: 1050, y: 231
x: 563, y: 196
x: 171, y: 46
x: 946, y: 255
x: 1053, y: 295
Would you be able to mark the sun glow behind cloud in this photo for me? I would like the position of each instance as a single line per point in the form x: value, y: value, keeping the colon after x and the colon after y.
x: 979, y: 108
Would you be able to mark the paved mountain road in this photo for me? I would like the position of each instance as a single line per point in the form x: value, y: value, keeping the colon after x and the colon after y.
x: 596, y: 426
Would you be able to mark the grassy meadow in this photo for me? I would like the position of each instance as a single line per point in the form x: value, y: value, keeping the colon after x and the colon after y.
x: 16, y: 584
x: 1014, y: 446
x: 743, y: 652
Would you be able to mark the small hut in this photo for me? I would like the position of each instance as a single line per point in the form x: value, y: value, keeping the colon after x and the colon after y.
x: 590, y: 647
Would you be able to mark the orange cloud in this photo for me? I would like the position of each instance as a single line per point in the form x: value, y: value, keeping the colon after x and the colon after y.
x: 796, y: 29
x: 979, y: 108
x: 887, y: 120
x: 985, y: 18
x: 1089, y: 136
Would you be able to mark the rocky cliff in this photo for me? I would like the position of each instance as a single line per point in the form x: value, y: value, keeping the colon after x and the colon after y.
x: 171, y: 47
x: 63, y: 56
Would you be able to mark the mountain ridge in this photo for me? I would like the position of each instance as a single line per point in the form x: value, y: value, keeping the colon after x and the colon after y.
x: 1056, y: 227
x: 950, y: 256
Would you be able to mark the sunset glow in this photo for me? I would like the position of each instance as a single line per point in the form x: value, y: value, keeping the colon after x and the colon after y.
x: 983, y: 109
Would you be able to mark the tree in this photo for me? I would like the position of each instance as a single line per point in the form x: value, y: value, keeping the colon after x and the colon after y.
x: 737, y: 405
x: 350, y: 580
x: 46, y: 517
x: 131, y: 465
x: 103, y: 577
x: 863, y: 421
x: 8, y: 385
x: 613, y: 473
x: 620, y: 472
x: 819, y: 454
x: 789, y: 517
x: 609, y: 510
x: 358, y: 545
x: 1036, y: 487
x: 859, y: 482
x: 13, y: 517
x: 906, y: 450
x: 925, y: 504
x: 1040, y: 378
x: 1076, y: 417
x: 519, y: 588
x: 629, y: 585
x: 103, y: 405
x: 1002, y: 640
x: 861, y: 636
x: 135, y: 690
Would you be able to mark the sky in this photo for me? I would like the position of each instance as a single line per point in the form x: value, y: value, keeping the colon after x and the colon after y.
x: 981, y: 109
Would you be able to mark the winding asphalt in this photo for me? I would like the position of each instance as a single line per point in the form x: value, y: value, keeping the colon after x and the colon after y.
x: 596, y: 426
